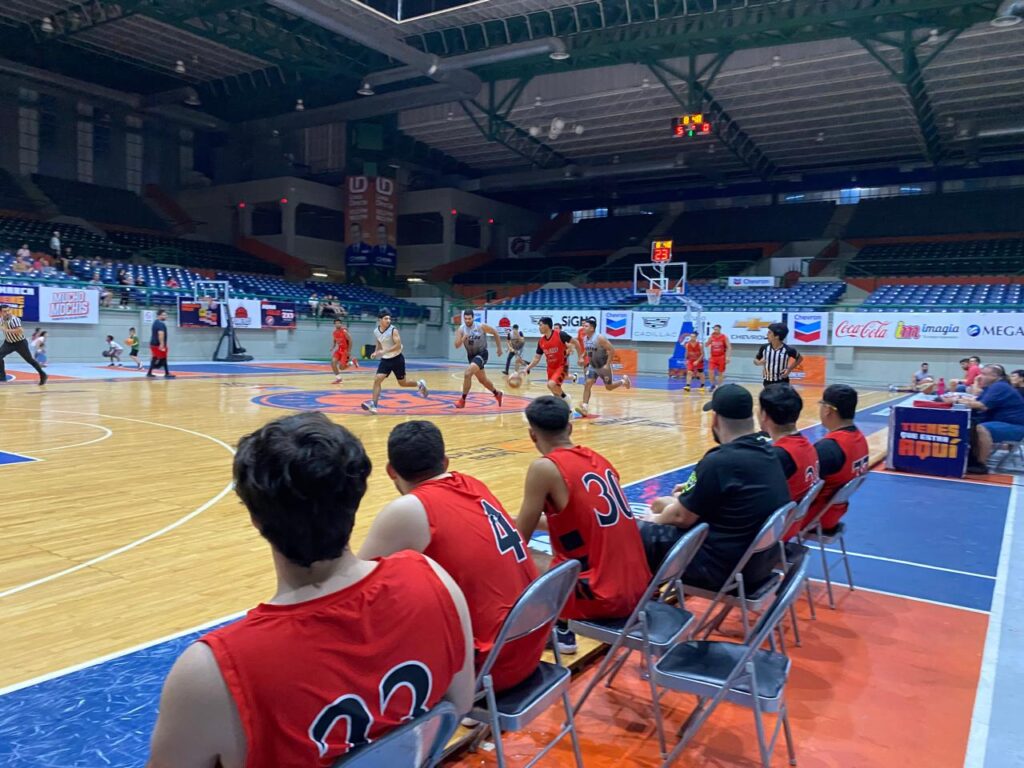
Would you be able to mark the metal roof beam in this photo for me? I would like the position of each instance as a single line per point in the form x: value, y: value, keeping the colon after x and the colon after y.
x: 699, y: 98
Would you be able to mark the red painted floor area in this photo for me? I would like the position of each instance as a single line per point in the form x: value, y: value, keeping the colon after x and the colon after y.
x: 881, y: 681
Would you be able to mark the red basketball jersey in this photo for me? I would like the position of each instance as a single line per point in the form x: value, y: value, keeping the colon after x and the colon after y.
x: 855, y: 448
x: 581, y: 337
x: 313, y: 680
x: 693, y: 351
x: 597, y: 528
x: 717, y: 344
x: 802, y: 452
x: 555, y: 349
x: 341, y: 339
x: 473, y: 538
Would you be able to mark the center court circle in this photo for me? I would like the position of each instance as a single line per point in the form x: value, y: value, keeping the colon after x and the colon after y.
x: 393, y: 403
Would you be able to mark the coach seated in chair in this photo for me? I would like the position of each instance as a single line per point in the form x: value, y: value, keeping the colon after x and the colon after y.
x: 455, y: 520
x: 842, y: 453
x: 345, y: 651
x: 999, y: 415
x: 735, y: 488
x: 780, y: 408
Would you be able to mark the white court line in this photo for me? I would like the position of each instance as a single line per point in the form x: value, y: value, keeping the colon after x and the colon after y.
x: 911, y: 563
x: 901, y: 596
x: 117, y: 654
x: 977, y: 743
x: 108, y: 433
x: 138, y: 542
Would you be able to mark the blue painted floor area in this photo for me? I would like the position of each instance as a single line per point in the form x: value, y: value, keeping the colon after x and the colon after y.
x: 14, y: 458
x: 102, y: 716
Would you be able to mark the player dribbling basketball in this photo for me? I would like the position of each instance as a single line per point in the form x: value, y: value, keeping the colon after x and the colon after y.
x: 694, y: 360
x: 599, y: 355
x: 555, y: 347
x: 392, y: 361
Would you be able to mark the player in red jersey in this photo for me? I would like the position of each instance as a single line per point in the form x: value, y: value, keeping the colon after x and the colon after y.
x: 344, y: 652
x: 587, y: 517
x: 455, y: 520
x: 555, y: 347
x: 340, y: 350
x: 719, y: 350
x: 842, y: 453
x: 694, y: 360
x: 780, y: 409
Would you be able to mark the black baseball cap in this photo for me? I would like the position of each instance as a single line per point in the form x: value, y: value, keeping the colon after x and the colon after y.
x: 732, y: 402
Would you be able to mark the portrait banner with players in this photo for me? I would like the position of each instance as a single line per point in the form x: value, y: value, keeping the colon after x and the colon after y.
x: 370, y: 207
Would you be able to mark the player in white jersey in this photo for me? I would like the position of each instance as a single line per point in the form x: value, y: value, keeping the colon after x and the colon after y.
x: 389, y: 352
x: 472, y: 336
x: 599, y: 352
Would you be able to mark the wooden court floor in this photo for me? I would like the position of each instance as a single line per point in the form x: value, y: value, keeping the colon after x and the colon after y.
x: 124, y: 528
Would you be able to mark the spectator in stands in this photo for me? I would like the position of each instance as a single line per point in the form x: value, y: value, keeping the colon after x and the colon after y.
x: 65, y: 260
x: 922, y: 381
x: 122, y: 276
x: 780, y: 408
x: 55, y: 244
x: 39, y: 262
x: 172, y: 282
x: 1017, y: 380
x: 777, y: 358
x: 314, y: 305
x: 439, y: 515
x: 141, y: 282
x: 842, y: 452
x: 735, y: 488
x: 24, y: 254
x: 21, y: 266
x: 265, y: 690
x: 972, y: 367
x: 1000, y: 415
x: 106, y: 295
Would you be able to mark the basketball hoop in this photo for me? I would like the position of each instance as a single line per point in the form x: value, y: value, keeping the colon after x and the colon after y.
x: 654, y: 296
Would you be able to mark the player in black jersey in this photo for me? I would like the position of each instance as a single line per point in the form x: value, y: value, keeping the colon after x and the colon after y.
x: 600, y: 353
x: 472, y: 336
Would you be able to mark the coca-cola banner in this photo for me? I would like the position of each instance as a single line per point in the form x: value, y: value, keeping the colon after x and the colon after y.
x: 920, y: 330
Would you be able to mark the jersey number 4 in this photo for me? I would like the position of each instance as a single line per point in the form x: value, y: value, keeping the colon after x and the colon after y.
x: 607, y: 488
x: 412, y: 675
x: 505, y: 534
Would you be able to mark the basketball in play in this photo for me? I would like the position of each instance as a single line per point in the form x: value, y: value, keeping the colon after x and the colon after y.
x: 515, y: 381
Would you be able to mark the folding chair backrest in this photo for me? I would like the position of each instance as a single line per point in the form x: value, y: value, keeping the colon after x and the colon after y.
x: 772, y: 530
x: 678, y: 558
x: 417, y: 744
x: 799, y: 512
x: 842, y: 496
x: 788, y: 591
x: 540, y: 604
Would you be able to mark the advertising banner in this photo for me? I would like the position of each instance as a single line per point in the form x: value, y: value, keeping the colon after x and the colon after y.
x: 741, y: 327
x: 992, y: 330
x: 245, y: 314
x: 370, y: 207
x: 749, y: 281
x: 48, y: 304
x: 909, y: 330
x: 22, y: 299
x: 929, y: 441
x: 658, y: 326
x: 617, y: 325
x: 624, y: 362
x: 198, y: 314
x: 808, y: 329
x: 810, y: 371
x: 279, y: 315
x: 527, y: 319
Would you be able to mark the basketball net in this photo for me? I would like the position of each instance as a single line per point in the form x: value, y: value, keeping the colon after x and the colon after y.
x: 654, y: 295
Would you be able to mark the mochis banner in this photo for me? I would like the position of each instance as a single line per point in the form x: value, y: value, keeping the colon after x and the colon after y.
x: 929, y: 441
x: 278, y: 315
x: 49, y: 304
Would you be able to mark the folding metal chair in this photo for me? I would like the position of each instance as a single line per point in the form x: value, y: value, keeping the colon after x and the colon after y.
x: 741, y: 673
x: 793, y: 552
x: 654, y: 626
x: 515, y: 708
x: 417, y: 744
x: 733, y: 591
x: 1011, y: 448
x: 814, y: 532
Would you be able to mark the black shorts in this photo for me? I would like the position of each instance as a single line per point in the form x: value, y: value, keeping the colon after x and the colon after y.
x: 395, y: 365
x: 133, y: 353
x: 603, y: 374
x: 479, y: 360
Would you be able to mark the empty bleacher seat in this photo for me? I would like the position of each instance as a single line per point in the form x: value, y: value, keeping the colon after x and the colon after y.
x: 764, y: 224
x: 960, y: 257
x: 107, y: 205
x: 946, y: 214
x: 942, y: 298
x: 604, y: 235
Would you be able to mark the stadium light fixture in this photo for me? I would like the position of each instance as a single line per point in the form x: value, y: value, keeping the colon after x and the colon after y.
x: 179, y: 67
x: 1009, y: 13
x: 192, y: 99
x: 46, y: 26
x: 300, y: 105
x: 414, y: 279
x: 319, y: 274
x: 559, y: 55
x: 366, y: 90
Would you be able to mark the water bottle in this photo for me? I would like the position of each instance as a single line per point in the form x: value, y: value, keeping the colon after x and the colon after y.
x: 941, y: 389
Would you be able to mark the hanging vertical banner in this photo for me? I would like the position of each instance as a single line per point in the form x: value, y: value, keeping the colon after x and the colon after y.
x: 370, y: 208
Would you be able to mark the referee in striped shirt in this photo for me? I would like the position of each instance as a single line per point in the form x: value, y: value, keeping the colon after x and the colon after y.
x: 776, y: 357
x: 14, y: 341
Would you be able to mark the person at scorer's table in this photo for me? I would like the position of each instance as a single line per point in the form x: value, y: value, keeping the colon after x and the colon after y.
x: 1000, y: 416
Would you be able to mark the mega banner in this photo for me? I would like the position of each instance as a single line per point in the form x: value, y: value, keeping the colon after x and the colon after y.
x: 808, y: 329
x: 929, y: 441
x: 278, y: 315
x: 48, y: 304
x: 929, y: 330
x: 992, y: 330
x: 199, y: 314
x: 741, y: 327
x: 370, y: 206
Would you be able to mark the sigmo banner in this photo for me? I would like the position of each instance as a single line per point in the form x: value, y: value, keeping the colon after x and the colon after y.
x: 808, y: 329
x: 741, y: 327
x: 527, y: 319
x: 746, y: 281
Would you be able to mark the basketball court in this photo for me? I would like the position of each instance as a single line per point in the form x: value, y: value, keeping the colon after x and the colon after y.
x: 123, y: 539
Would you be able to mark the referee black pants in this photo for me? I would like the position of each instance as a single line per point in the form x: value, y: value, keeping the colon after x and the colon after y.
x: 21, y: 347
x: 773, y: 383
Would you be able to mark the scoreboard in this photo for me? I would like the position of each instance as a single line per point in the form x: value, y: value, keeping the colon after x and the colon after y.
x: 661, y: 251
x: 691, y: 126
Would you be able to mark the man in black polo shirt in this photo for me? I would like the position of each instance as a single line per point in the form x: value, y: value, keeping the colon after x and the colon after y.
x: 734, y: 489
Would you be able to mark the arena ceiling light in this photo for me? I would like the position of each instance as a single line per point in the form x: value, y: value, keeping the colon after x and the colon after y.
x: 366, y: 90
x: 1009, y: 13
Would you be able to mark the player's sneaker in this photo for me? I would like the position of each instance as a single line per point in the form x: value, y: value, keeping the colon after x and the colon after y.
x: 421, y: 386
x: 499, y: 396
x: 566, y: 640
x: 369, y: 406
x: 686, y: 388
x: 568, y: 399
x: 575, y: 377
x: 581, y: 409
x: 461, y: 402
x: 42, y: 378
x: 627, y: 382
x: 337, y: 379
x: 893, y: 387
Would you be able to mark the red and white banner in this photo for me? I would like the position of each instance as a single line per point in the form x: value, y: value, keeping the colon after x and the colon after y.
x: 68, y: 305
x: 908, y: 330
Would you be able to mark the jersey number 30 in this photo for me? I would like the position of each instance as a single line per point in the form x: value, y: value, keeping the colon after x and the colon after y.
x: 608, y: 489
x: 505, y: 534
